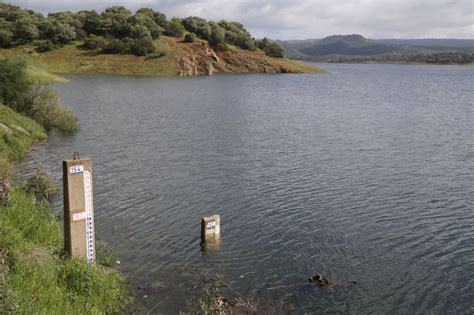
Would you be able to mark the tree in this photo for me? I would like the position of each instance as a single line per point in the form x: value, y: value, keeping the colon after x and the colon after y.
x: 63, y: 33
x: 116, y: 21
x: 139, y: 31
x: 236, y: 34
x: 274, y: 50
x: 145, y: 21
x: 263, y: 43
x: 175, y: 28
x: 71, y: 21
x: 217, y: 37
x: 157, y: 17
x: 198, y: 26
x: 25, y: 31
x: 93, y: 23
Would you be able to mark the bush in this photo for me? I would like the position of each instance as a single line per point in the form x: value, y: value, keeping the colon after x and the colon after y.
x: 104, y: 254
x: 39, y: 104
x: 41, y: 185
x: 13, y: 81
x: 190, y: 38
x: 142, y: 46
x: 43, y: 106
x: 93, y: 42
x: 116, y: 46
x: 44, y: 46
x: 6, y: 38
x: 65, y: 120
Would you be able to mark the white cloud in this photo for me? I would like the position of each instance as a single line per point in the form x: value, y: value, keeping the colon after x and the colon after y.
x: 308, y: 18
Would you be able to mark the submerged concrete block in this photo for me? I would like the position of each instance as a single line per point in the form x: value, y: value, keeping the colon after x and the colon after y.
x: 210, y: 227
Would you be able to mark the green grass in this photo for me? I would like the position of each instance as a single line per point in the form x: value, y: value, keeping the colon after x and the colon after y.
x: 41, y: 76
x: 39, y: 280
x: 17, y: 134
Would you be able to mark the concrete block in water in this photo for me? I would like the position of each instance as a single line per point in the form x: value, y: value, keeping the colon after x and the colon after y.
x: 210, y: 227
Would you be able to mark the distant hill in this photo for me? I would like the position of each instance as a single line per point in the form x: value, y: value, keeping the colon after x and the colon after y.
x: 343, y: 48
x: 346, y: 45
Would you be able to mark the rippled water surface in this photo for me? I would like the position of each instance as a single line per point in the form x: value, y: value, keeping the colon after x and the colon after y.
x: 363, y: 175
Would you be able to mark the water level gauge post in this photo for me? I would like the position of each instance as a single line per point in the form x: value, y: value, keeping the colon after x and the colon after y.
x: 79, y: 234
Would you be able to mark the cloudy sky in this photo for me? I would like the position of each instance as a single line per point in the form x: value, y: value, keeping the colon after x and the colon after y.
x: 300, y: 19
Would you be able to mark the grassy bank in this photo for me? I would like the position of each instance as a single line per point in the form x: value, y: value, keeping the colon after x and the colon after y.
x: 34, y: 276
x: 71, y: 59
x: 166, y: 62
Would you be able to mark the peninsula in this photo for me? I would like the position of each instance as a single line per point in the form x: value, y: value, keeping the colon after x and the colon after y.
x: 118, y: 42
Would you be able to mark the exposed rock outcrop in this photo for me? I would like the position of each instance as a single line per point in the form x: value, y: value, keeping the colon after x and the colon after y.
x: 200, y: 59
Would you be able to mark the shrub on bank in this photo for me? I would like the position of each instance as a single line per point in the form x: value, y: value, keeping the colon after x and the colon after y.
x: 44, y: 46
x: 39, y: 103
x: 190, y: 38
x: 41, y: 185
x: 13, y: 81
x: 93, y: 42
x: 43, y: 105
x: 104, y: 254
x: 66, y: 121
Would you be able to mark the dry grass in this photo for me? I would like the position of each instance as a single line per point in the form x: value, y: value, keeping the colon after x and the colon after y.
x: 72, y: 59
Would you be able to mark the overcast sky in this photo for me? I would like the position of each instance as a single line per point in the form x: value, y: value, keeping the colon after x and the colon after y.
x: 300, y: 19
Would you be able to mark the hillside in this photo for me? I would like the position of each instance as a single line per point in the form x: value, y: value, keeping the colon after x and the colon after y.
x: 356, y: 48
x: 346, y: 45
x: 174, y: 58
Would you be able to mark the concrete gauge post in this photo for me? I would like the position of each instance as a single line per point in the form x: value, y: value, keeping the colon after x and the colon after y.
x: 210, y: 228
x: 79, y: 240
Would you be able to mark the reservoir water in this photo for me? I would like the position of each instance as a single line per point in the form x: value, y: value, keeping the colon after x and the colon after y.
x: 366, y: 174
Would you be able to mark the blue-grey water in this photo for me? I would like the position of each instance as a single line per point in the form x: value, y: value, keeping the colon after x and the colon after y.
x: 366, y: 174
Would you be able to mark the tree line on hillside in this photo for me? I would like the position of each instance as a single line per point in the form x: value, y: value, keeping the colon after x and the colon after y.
x: 117, y: 31
x: 442, y: 58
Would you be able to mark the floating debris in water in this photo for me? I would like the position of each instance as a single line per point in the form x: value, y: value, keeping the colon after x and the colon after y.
x: 325, y: 281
